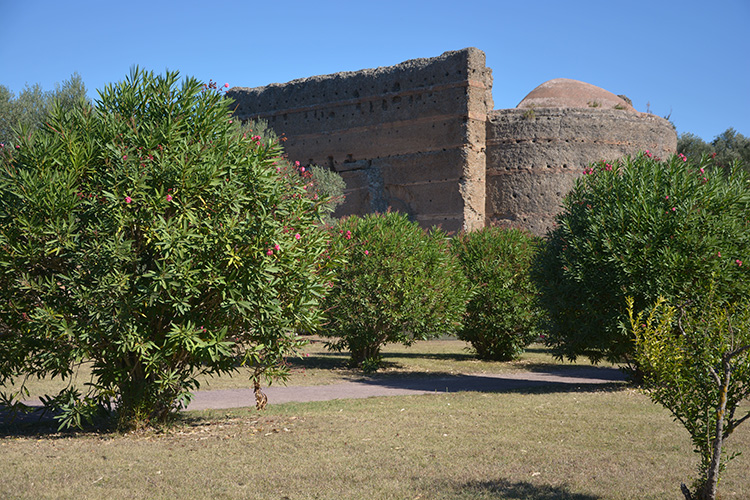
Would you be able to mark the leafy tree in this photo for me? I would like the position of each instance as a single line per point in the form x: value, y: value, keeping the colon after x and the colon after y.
x: 501, y: 316
x: 727, y: 148
x: 396, y: 283
x: 697, y: 365
x: 148, y: 236
x: 27, y: 111
x: 641, y: 228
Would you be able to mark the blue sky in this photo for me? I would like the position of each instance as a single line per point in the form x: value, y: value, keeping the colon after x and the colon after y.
x: 689, y: 59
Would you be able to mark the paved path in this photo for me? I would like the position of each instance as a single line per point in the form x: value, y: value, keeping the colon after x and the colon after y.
x: 404, y: 386
x: 560, y: 380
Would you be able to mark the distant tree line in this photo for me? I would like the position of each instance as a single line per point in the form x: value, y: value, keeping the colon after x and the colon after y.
x: 27, y: 110
x: 726, y: 148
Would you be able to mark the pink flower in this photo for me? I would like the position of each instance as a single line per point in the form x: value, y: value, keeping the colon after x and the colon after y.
x: 124, y: 157
x: 269, y: 252
x: 719, y: 254
x: 702, y: 170
x: 367, y: 253
x: 674, y: 208
x: 226, y: 85
x: 297, y: 236
x: 667, y: 197
x: 296, y: 163
x: 128, y: 199
x: 169, y: 197
x: 739, y: 262
x: 348, y: 235
x: 277, y: 247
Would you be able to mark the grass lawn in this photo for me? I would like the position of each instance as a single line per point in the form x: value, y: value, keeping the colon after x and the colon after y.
x: 557, y: 443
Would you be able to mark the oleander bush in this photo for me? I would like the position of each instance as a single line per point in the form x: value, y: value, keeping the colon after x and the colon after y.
x: 396, y: 282
x: 149, y: 235
x: 502, y: 315
x: 644, y: 228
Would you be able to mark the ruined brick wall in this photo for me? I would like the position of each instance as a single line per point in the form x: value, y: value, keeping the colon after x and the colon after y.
x: 535, y: 155
x: 410, y: 136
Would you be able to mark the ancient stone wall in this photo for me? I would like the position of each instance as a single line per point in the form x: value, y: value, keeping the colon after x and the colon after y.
x: 410, y: 137
x: 534, y: 156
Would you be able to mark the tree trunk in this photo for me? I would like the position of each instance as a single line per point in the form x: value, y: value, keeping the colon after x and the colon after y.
x: 708, y: 490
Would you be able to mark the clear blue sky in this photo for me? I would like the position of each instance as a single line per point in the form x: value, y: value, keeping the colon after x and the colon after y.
x: 687, y: 58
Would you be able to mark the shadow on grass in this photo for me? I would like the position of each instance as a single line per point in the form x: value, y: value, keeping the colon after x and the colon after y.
x: 585, y: 378
x: 38, y: 423
x: 503, y: 489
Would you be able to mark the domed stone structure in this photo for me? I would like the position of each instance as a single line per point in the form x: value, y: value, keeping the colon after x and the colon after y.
x: 566, y: 93
x: 536, y: 151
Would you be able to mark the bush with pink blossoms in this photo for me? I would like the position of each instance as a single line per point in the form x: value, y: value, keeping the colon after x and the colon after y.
x: 644, y: 228
x: 147, y: 235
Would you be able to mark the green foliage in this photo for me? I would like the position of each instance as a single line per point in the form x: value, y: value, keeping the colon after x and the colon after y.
x: 502, y: 314
x: 27, y: 111
x: 697, y: 365
x: 727, y: 148
x: 642, y: 228
x: 323, y: 184
x: 327, y: 184
x: 399, y: 284
x: 149, y: 236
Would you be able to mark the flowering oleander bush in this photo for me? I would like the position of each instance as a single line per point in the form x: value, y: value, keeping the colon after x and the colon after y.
x: 149, y: 235
x: 644, y: 228
x: 502, y: 315
x: 396, y: 283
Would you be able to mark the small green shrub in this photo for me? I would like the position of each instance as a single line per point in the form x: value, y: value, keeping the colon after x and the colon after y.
x: 399, y: 284
x: 642, y: 228
x: 502, y: 314
x: 697, y: 365
x: 149, y: 236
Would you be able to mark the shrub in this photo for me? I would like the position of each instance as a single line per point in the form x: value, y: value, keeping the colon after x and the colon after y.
x: 642, y: 228
x: 697, y: 365
x: 399, y: 284
x: 502, y: 314
x: 150, y: 237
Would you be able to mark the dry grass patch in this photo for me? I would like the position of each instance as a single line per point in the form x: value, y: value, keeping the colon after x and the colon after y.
x: 542, y: 445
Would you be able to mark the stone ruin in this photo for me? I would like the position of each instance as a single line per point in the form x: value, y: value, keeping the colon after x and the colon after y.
x: 422, y: 138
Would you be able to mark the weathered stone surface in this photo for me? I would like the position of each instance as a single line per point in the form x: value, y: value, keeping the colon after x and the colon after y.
x: 566, y: 93
x: 533, y: 158
x: 365, y: 124
x: 420, y: 137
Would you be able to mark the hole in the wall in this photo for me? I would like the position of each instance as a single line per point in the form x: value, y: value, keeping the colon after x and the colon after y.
x: 330, y: 162
x: 396, y: 87
x: 385, y: 105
